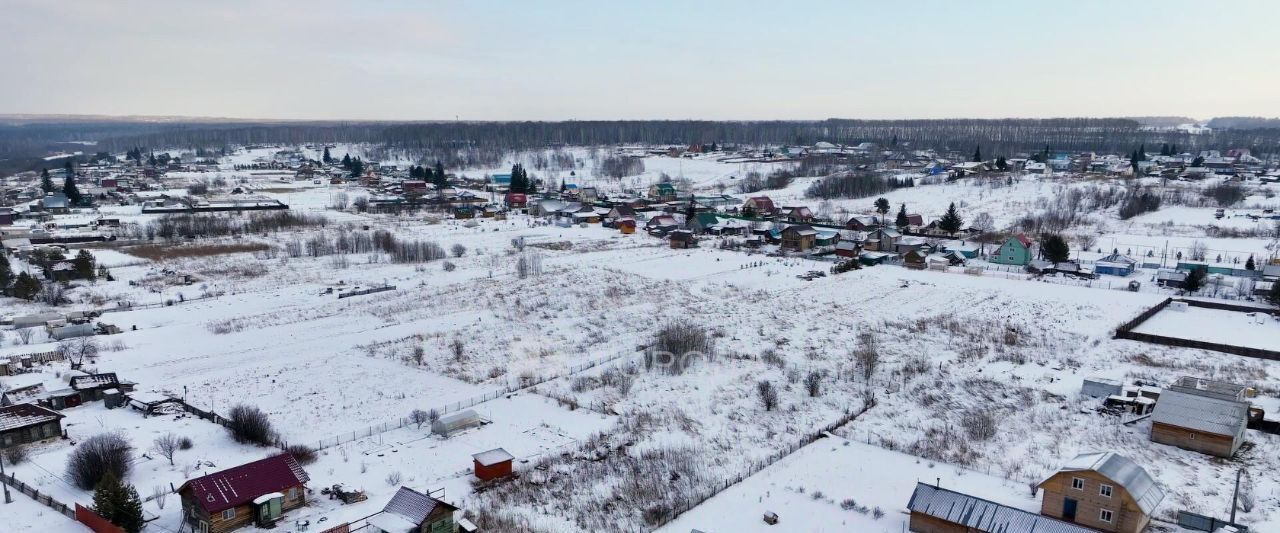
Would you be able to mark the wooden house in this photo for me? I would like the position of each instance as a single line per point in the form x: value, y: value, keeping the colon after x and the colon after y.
x: 682, y: 239
x: 937, y: 510
x: 516, y: 200
x: 1103, y: 491
x: 662, y: 192
x: 1201, y: 415
x: 799, y: 237
x: 1016, y: 250
x: 800, y: 214
x: 862, y: 222
x: 626, y: 225
x: 92, y: 386
x: 847, y: 249
x: 492, y: 464
x: 25, y: 423
x: 915, y: 259
x: 882, y: 240
x: 760, y: 206
x: 256, y: 493
x: 410, y: 511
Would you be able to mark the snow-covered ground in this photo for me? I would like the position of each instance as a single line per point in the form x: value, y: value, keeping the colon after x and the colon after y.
x: 1253, y: 330
x: 621, y: 446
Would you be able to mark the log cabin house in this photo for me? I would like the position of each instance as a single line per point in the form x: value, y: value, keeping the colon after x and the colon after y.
x: 255, y: 493
x: 1104, y: 491
x: 1201, y: 415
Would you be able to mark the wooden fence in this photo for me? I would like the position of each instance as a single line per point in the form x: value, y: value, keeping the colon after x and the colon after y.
x: 363, y: 292
x: 757, y: 466
x: 95, y: 521
x: 1125, y: 331
x: 39, y: 497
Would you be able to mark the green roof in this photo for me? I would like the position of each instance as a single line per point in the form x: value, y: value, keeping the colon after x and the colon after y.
x: 707, y: 219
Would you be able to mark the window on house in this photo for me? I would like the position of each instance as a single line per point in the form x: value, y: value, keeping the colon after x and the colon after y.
x: 1104, y: 490
x: 229, y: 514
x: 293, y: 494
x: 1104, y: 515
x: 1077, y: 483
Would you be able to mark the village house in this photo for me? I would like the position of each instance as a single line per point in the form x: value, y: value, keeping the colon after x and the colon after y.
x: 1016, y: 250
x: 847, y: 249
x: 1201, y: 415
x: 26, y: 423
x: 410, y: 511
x: 662, y: 192
x: 760, y: 206
x: 910, y: 244
x: 799, y: 237
x: 799, y: 214
x: 1115, y: 265
x: 1104, y: 491
x: 938, y: 510
x: 703, y: 222
x: 682, y: 239
x: 256, y: 493
x: 882, y: 240
x: 862, y: 222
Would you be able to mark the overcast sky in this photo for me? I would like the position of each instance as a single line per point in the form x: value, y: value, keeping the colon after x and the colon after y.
x: 552, y: 60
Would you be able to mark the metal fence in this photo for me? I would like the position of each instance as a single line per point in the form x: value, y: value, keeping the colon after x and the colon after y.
x: 1199, y: 522
x: 1126, y: 331
x: 39, y: 497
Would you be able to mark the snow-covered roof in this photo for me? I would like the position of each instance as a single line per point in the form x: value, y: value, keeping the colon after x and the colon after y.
x: 983, y: 515
x: 1197, y: 412
x: 24, y: 415
x: 1124, y: 472
x: 492, y: 457
x: 412, y: 507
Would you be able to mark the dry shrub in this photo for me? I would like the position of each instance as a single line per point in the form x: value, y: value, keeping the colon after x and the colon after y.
x: 160, y: 252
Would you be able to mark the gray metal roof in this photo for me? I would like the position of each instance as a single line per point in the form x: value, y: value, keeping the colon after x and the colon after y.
x: 983, y: 515
x: 1124, y: 472
x: 1209, y: 387
x: 1218, y: 416
x: 413, y: 505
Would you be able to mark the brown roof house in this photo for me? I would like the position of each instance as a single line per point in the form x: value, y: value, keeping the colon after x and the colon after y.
x: 254, y: 493
x: 410, y: 511
x: 1104, y: 491
x: 1201, y: 415
x: 25, y: 423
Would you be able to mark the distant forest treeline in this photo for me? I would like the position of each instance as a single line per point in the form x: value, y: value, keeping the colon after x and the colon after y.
x: 996, y: 137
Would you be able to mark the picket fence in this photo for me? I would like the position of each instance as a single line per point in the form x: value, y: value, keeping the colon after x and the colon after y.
x: 38, y: 496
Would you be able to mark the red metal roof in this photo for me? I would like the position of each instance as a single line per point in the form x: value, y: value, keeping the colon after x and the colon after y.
x: 239, y: 485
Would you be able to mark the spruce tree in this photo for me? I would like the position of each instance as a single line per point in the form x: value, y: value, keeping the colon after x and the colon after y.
x: 327, y: 158
x: 84, y: 264
x: 46, y: 182
x: 108, y: 496
x: 346, y: 161
x: 902, y: 221
x: 440, y: 169
x: 129, y: 512
x: 951, y: 221
x: 1195, y: 279
x: 1054, y: 248
x: 6, y: 273
x: 1273, y: 295
x: 69, y: 188
x: 977, y: 154
x: 1249, y: 264
x: 26, y: 287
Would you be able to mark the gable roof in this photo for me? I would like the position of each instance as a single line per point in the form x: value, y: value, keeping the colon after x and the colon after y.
x: 1219, y: 416
x: 25, y: 415
x: 91, y: 381
x: 239, y: 485
x: 414, y: 506
x: 1121, y: 470
x: 492, y: 457
x: 983, y: 515
x: 1022, y: 239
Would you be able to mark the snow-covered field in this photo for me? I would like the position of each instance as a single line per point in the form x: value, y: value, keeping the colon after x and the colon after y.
x: 625, y: 446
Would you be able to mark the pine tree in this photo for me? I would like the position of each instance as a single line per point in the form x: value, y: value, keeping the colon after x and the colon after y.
x: 977, y: 154
x: 440, y: 170
x: 1054, y: 248
x: 357, y: 167
x: 1249, y: 264
x: 69, y: 188
x: 46, y: 182
x: 1273, y: 295
x: 902, y: 221
x: 563, y: 187
x: 1198, y: 161
x: 346, y: 161
x: 882, y: 207
x: 327, y: 158
x: 951, y: 221
x: 1142, y: 152
x: 1002, y: 163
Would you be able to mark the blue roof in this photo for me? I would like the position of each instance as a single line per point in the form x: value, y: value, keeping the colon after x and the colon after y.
x: 500, y: 178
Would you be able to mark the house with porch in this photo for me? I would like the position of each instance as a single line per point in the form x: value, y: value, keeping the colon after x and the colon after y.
x: 255, y: 493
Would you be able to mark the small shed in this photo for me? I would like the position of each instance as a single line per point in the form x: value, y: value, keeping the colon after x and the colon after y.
x: 492, y: 464
x: 1097, y: 387
x: 71, y: 331
x: 452, y: 423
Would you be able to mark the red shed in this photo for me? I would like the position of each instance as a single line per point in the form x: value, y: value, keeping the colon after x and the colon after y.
x: 492, y: 464
x: 516, y: 200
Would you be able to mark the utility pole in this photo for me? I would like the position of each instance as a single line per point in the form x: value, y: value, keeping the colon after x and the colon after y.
x: 5, y: 484
x: 1235, y: 496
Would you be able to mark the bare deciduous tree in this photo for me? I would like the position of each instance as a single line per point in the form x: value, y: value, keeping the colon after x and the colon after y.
x: 419, y: 417
x: 458, y: 250
x: 768, y: 395
x: 813, y: 383
x: 167, y: 446
x: 867, y: 355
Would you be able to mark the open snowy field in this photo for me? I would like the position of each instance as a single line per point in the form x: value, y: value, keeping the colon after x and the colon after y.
x: 1253, y: 330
